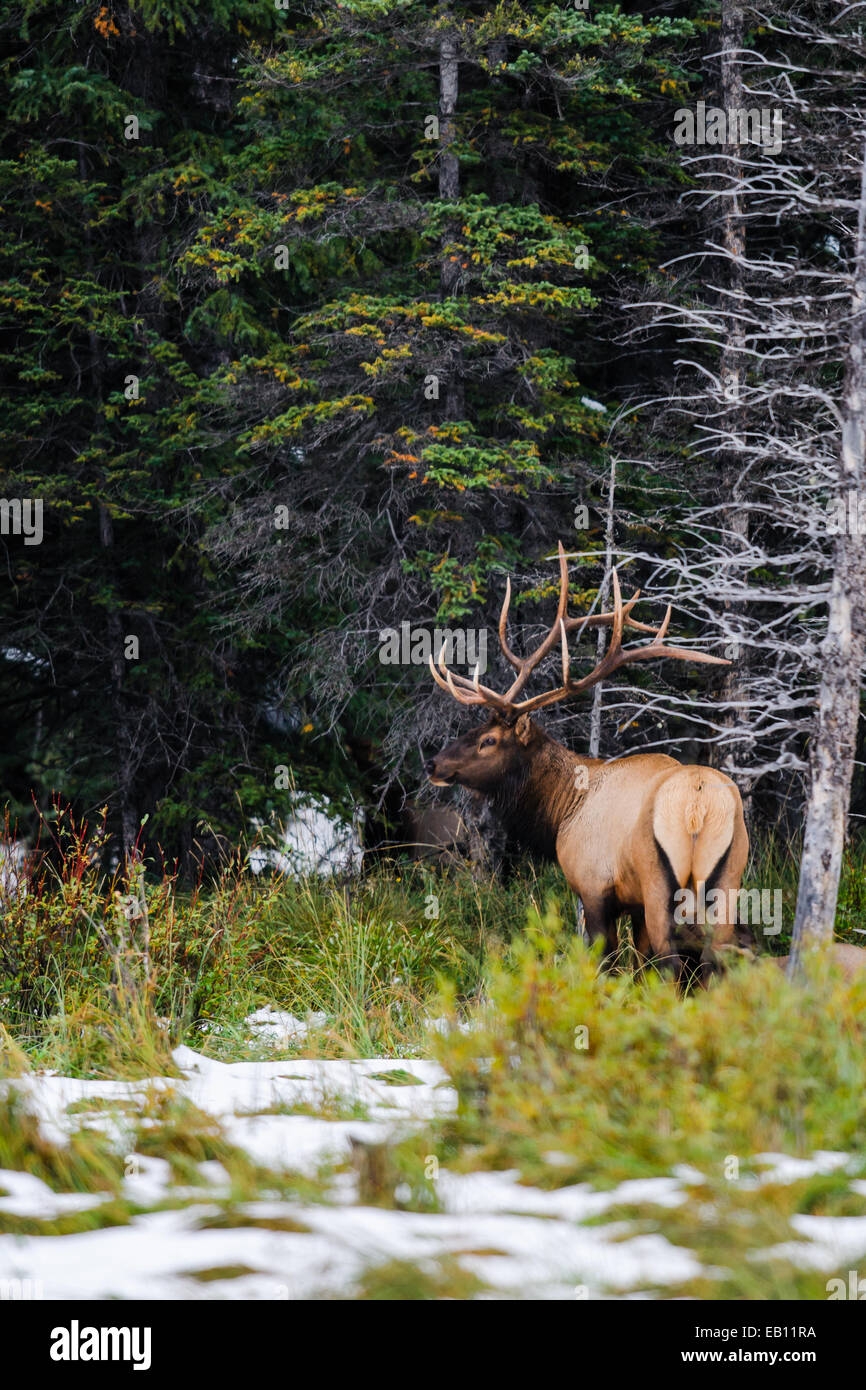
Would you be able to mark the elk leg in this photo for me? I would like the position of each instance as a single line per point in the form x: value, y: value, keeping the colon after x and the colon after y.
x: 726, y: 930
x: 658, y: 920
x: 640, y: 935
x: 665, y: 955
x: 600, y: 917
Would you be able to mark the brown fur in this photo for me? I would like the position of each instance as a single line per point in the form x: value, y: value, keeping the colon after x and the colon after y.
x: 434, y: 832
x: 851, y: 959
x: 626, y: 833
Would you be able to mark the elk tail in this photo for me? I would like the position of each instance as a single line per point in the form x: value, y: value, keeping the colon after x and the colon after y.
x: 693, y: 825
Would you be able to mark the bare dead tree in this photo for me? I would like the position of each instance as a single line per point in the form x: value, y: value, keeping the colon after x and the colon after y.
x: 733, y: 361
x: 834, y: 743
x: 760, y: 406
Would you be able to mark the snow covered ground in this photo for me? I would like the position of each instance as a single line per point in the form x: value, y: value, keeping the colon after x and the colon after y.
x: 522, y: 1242
x: 314, y: 840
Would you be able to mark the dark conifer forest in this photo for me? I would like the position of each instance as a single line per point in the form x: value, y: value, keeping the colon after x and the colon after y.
x: 322, y: 318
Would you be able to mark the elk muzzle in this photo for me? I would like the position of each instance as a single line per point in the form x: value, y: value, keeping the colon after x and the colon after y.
x: 439, y: 772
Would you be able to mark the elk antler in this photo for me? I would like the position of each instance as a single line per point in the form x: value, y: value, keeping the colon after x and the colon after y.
x: 471, y: 692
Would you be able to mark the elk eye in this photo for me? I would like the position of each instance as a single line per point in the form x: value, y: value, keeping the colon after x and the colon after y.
x: 487, y: 742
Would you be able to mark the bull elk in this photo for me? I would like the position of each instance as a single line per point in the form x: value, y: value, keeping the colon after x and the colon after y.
x: 627, y: 833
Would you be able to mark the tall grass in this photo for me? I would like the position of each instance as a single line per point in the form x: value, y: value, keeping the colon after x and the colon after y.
x: 103, y: 973
x: 628, y: 1078
x: 775, y: 864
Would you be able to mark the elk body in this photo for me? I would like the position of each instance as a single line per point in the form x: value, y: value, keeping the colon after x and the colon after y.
x: 627, y: 833
x: 851, y: 960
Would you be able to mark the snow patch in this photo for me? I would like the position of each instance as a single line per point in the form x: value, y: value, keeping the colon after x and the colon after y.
x: 314, y: 840
x: 279, y: 1028
x: 521, y: 1241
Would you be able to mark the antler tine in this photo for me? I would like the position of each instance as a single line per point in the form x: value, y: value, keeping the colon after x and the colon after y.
x: 448, y: 685
x: 566, y: 664
x: 683, y: 654
x: 462, y: 696
x: 469, y: 692
x: 605, y: 619
x: 503, y: 619
x: 563, y: 584
x: 666, y: 622
x: 619, y: 616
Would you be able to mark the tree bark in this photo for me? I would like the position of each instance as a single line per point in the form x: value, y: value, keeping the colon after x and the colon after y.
x: 731, y: 374
x: 834, y: 743
x: 449, y: 81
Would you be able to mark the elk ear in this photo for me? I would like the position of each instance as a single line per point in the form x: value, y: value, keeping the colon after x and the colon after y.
x: 523, y: 728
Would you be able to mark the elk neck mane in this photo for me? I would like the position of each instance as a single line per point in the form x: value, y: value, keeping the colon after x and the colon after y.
x: 536, y: 798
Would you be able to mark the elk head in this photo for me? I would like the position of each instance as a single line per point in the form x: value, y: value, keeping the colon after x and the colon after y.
x: 503, y: 746
x: 482, y: 758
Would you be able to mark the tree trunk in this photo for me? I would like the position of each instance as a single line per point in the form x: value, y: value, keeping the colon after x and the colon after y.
x: 449, y: 77
x: 731, y: 373
x: 834, y: 743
